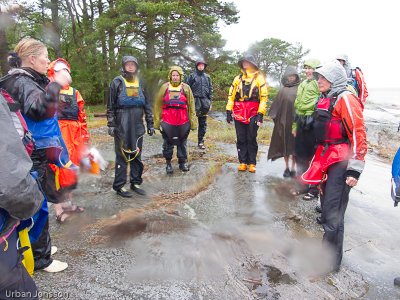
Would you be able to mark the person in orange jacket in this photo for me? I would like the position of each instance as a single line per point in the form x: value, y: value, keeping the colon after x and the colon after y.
x: 247, y: 105
x: 339, y: 158
x: 72, y: 121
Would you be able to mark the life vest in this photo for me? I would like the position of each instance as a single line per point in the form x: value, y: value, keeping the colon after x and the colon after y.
x: 68, y: 105
x: 247, y: 101
x: 331, y: 137
x: 357, y: 81
x: 19, y: 122
x: 174, y: 108
x: 131, y: 94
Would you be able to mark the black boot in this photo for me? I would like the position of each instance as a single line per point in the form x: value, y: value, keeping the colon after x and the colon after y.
x: 169, y: 168
x: 183, y: 167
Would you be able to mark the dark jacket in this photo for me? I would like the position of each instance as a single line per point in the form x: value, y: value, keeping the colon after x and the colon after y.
x: 282, y: 112
x: 201, y: 86
x: 20, y: 197
x: 38, y: 98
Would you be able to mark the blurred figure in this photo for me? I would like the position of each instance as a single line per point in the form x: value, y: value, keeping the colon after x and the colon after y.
x: 20, y: 199
x: 126, y: 107
x: 339, y: 158
x: 247, y: 105
x: 174, y: 116
x: 282, y: 112
x: 304, y: 149
x: 201, y: 86
x: 28, y: 85
x: 72, y: 121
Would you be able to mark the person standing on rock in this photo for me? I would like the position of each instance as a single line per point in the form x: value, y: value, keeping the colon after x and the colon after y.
x: 126, y: 106
x: 201, y: 86
x: 282, y: 112
x: 304, y: 143
x: 339, y: 158
x: 247, y: 105
x: 174, y: 116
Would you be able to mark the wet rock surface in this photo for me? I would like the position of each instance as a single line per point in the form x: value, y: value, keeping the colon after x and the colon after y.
x: 214, y: 233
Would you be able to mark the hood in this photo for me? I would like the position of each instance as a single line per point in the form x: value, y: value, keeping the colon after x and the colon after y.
x: 336, y: 75
x: 248, y: 58
x: 290, y: 70
x: 57, y: 65
x: 312, y: 62
x: 346, y: 66
x: 201, y: 61
x: 175, y: 68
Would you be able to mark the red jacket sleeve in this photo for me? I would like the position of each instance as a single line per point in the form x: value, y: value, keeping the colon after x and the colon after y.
x: 351, y: 113
x: 82, y: 117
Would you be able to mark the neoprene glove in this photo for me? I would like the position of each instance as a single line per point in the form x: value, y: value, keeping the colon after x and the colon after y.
x: 111, y: 131
x: 229, y: 117
x: 151, y: 131
x: 259, y: 118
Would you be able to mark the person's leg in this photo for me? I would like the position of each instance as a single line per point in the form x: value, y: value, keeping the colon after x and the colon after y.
x: 241, y: 141
x: 182, y: 155
x: 42, y: 249
x: 136, y: 170
x: 286, y: 173
x: 120, y: 166
x: 334, y: 204
x: 13, y: 275
x: 168, y: 150
x: 202, y: 129
x: 252, y: 145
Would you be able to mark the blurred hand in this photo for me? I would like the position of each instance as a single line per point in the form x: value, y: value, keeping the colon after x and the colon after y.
x: 151, y: 131
x: 111, y: 131
x: 294, y: 132
x: 229, y: 117
x: 259, y: 119
x: 62, y: 77
x: 351, y: 181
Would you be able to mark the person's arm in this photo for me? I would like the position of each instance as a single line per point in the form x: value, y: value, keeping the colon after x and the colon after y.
x: 38, y: 104
x: 148, y: 112
x: 263, y: 91
x: 82, y: 117
x: 353, y: 120
x: 210, y: 96
x: 157, y: 108
x: 112, y: 104
x: 19, y: 193
x: 191, y: 107
x: 232, y: 93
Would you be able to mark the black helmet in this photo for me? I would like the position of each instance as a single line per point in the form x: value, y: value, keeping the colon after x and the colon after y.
x: 248, y: 58
x: 201, y: 61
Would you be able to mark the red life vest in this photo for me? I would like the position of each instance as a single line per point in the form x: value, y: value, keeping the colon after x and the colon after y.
x: 174, y: 109
x: 333, y: 144
x: 247, y: 101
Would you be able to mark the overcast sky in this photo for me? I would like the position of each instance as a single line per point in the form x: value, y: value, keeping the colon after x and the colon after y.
x: 367, y: 31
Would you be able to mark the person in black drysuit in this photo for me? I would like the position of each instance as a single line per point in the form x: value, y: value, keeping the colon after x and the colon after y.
x: 20, y: 199
x: 126, y: 106
x: 200, y: 83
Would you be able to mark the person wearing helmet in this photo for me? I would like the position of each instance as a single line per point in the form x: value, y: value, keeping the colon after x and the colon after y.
x: 72, y: 121
x: 201, y: 86
x: 247, y: 105
x: 302, y: 129
x: 340, y: 155
x: 127, y: 103
x: 174, y: 116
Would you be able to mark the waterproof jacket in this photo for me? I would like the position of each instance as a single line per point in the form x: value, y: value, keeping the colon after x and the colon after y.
x: 20, y: 197
x: 282, y: 113
x: 158, y: 105
x: 38, y: 98
x: 128, y: 120
x: 307, y: 97
x: 248, y: 96
x: 201, y: 86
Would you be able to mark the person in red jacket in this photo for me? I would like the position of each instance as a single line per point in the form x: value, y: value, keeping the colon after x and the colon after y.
x: 72, y: 121
x: 339, y: 158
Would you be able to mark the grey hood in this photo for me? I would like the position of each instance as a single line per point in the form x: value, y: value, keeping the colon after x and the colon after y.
x: 336, y: 75
x: 290, y: 70
x: 346, y: 66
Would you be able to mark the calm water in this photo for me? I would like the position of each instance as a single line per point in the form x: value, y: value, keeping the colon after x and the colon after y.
x: 383, y: 106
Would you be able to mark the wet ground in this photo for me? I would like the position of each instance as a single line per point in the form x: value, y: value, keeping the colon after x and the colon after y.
x: 214, y: 233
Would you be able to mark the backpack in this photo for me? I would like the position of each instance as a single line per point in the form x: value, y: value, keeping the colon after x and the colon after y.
x: 19, y: 122
x: 357, y: 81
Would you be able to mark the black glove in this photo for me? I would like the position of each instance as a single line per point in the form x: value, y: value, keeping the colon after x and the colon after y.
x: 229, y: 117
x: 111, y: 131
x: 259, y: 118
x: 150, y: 131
